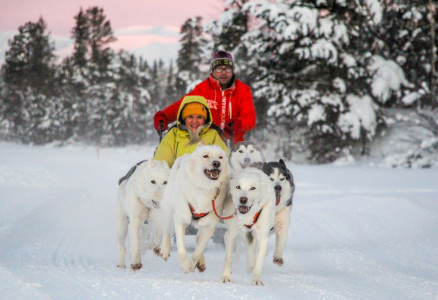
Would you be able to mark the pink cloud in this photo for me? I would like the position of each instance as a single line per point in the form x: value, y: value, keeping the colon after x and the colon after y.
x: 129, y: 42
x: 139, y: 25
x: 59, y: 14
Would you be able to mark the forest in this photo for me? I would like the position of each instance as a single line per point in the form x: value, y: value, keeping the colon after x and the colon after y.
x: 329, y: 77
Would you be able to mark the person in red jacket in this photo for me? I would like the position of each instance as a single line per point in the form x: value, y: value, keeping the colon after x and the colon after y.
x: 229, y: 99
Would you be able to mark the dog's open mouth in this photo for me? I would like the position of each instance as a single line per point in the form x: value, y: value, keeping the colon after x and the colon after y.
x: 243, y: 209
x: 156, y: 204
x: 277, y: 198
x: 244, y: 165
x: 212, y: 174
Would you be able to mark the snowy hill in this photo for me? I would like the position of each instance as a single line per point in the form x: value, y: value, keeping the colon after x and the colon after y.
x: 357, y: 232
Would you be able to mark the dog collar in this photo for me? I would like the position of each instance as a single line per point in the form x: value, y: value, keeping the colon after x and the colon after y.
x: 196, y: 216
x: 254, y: 220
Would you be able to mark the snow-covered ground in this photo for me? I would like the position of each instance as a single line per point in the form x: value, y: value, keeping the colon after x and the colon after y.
x: 357, y: 232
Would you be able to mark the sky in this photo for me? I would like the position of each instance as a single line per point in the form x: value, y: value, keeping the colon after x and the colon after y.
x: 145, y: 27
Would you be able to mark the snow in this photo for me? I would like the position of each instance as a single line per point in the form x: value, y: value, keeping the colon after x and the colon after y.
x: 375, y: 9
x: 388, y: 76
x: 362, y: 114
x: 357, y: 232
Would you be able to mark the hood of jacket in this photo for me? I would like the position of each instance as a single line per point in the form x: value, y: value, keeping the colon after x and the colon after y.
x: 194, y: 99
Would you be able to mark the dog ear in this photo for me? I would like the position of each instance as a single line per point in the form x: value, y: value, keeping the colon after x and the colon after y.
x: 200, y: 143
x: 151, y: 162
x: 282, y: 162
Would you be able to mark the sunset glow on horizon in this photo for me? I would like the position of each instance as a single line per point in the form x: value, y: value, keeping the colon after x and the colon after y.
x: 136, y: 24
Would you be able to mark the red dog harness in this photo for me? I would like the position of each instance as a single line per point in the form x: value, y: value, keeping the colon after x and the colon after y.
x: 254, y: 220
x: 196, y: 216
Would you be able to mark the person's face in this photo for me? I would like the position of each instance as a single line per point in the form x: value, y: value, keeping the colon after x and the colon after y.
x: 223, y: 74
x: 194, y: 121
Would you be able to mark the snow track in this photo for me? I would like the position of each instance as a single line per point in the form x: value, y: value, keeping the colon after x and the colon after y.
x: 357, y: 233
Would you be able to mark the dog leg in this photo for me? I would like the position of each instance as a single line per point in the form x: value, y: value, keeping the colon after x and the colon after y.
x: 250, y: 250
x: 165, y: 243
x: 165, y: 240
x: 134, y: 231
x: 229, y: 239
x: 184, y: 259
x: 202, y: 238
x: 201, y: 263
x: 281, y: 227
x: 158, y: 240
x: 261, y: 253
x: 122, y: 232
x: 143, y: 243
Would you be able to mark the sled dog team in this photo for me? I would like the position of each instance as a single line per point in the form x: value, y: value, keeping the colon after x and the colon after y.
x: 251, y: 196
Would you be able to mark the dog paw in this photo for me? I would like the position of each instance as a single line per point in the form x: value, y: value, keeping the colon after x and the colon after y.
x: 136, y: 267
x: 279, y: 261
x: 201, y: 267
x: 157, y: 251
x: 225, y: 279
x: 164, y: 254
x: 186, y: 265
x: 164, y: 257
x: 121, y: 266
x: 257, y: 282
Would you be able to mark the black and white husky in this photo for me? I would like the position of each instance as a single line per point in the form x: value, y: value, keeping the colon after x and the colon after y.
x: 284, y: 187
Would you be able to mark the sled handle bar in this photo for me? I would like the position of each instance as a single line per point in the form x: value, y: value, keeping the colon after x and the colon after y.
x: 160, y: 132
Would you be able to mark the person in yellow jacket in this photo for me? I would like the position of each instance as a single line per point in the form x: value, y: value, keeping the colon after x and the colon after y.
x: 194, y: 125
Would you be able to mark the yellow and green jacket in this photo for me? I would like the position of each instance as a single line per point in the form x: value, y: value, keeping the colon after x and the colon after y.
x: 176, y: 141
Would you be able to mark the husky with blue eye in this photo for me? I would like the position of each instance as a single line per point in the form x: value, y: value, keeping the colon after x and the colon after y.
x: 284, y: 187
x: 252, y: 207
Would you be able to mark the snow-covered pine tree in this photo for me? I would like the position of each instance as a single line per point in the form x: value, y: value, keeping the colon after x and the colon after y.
x: 171, y: 92
x: 189, y: 60
x: 29, y: 62
x: 28, y: 75
x: 100, y: 34
x: 80, y: 33
x: 226, y: 34
x: 299, y: 53
x: 131, y: 117
x: 158, y: 83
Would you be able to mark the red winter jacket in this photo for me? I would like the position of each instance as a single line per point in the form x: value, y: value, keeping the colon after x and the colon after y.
x: 233, y: 104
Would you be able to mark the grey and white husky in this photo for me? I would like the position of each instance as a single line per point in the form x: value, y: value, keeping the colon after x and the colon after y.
x: 284, y: 187
x: 244, y: 154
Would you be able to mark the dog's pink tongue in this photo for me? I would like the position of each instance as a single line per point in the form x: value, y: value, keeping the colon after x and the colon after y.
x: 277, y: 200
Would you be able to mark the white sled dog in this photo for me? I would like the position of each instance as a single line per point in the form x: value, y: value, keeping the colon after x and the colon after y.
x: 253, y: 205
x: 284, y: 187
x: 139, y: 195
x: 197, y: 181
x: 244, y: 154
